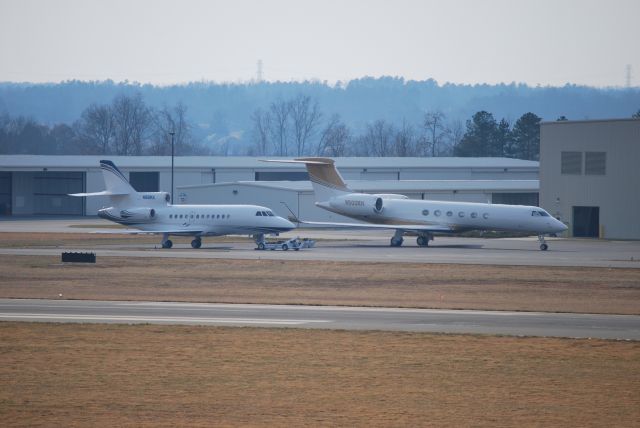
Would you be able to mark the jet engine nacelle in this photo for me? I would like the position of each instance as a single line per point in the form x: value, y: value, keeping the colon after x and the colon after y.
x: 138, y: 214
x: 391, y: 196
x: 358, y: 204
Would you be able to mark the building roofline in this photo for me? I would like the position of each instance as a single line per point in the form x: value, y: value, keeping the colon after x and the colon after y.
x: 563, y: 122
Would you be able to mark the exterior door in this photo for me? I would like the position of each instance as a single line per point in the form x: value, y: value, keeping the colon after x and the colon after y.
x: 586, y: 222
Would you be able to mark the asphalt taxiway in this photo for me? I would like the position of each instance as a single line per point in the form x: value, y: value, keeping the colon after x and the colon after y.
x: 350, y: 245
x: 624, y: 327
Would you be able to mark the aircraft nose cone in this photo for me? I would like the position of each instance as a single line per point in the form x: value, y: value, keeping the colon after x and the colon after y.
x: 287, y: 224
x: 560, y: 226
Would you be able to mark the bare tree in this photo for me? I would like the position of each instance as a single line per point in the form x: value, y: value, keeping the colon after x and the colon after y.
x: 436, y: 132
x: 377, y: 139
x: 132, y: 119
x: 96, y: 128
x: 260, y: 132
x: 173, y: 120
x: 305, y: 116
x: 279, y: 111
x: 334, y: 138
x: 404, y: 141
x: 456, y: 133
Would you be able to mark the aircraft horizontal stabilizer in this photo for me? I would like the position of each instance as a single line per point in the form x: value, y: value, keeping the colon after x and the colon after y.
x: 304, y: 162
x: 103, y: 193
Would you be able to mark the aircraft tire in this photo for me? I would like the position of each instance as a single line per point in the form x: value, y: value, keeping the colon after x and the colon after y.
x: 285, y: 247
x: 260, y: 246
x: 196, y: 243
x: 167, y: 244
x: 396, y: 242
x: 422, y: 241
x: 544, y: 247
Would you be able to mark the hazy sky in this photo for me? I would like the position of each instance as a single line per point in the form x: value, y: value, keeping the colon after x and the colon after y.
x: 547, y: 42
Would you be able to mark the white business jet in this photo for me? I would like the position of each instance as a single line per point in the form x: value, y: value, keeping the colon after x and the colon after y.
x: 419, y: 217
x: 151, y: 212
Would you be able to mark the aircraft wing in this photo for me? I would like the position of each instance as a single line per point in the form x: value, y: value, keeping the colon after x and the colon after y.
x: 152, y: 232
x: 412, y: 227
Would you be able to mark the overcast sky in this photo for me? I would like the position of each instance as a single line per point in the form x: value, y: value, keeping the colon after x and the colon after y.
x: 546, y: 42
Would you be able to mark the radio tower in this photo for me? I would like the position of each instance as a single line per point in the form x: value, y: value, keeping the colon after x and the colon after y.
x: 259, y: 73
x: 628, y: 76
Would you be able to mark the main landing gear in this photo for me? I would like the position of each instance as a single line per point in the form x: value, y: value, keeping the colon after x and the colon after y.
x: 543, y: 243
x: 166, y: 242
x: 397, y: 240
x: 423, y: 240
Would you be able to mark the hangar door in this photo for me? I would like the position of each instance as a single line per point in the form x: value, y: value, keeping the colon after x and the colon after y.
x: 50, y: 193
x: 5, y: 193
x: 586, y: 221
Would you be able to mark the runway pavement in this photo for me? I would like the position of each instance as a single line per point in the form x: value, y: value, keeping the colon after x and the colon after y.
x: 625, y: 327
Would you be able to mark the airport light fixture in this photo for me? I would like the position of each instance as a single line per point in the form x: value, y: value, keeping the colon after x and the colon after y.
x: 172, y: 155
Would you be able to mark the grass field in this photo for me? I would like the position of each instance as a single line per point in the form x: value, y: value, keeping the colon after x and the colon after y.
x: 116, y: 375
x: 153, y: 375
x: 559, y: 289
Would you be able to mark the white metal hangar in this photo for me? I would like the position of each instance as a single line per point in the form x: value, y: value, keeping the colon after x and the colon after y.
x: 38, y: 185
x: 590, y: 176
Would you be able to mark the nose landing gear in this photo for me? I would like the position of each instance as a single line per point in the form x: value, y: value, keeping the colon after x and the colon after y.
x: 543, y: 243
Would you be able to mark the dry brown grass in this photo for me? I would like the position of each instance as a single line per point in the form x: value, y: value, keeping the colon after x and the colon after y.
x: 559, y: 289
x: 116, y: 375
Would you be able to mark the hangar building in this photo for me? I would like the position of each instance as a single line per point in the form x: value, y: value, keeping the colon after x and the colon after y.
x: 590, y: 176
x: 38, y: 185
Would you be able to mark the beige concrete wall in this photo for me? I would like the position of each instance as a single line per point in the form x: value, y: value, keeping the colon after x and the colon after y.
x: 617, y: 193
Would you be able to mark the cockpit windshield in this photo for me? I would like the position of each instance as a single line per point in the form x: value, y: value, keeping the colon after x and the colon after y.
x: 539, y: 213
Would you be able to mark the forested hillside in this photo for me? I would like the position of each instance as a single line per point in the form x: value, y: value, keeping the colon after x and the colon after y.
x: 368, y: 116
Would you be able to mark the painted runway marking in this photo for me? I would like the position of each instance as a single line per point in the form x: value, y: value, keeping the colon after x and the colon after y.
x: 125, y: 318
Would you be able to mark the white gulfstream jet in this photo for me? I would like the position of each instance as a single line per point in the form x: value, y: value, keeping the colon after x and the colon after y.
x: 151, y: 212
x: 423, y: 218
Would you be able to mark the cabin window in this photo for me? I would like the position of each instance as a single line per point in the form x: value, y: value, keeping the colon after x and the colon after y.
x: 437, y: 213
x: 208, y: 215
x: 449, y: 213
x: 218, y: 216
x: 180, y: 215
x: 474, y: 215
x: 259, y: 214
x: 197, y: 215
x: 170, y: 215
x: 461, y: 214
x: 425, y: 212
x: 485, y: 216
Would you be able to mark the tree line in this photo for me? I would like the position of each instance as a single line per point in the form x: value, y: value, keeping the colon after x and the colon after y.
x: 125, y: 127
x: 286, y: 127
x: 295, y: 128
